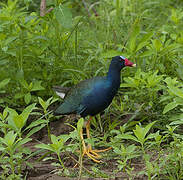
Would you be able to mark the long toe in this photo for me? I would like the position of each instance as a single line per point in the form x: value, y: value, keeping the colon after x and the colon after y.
x: 94, y: 157
x: 101, y: 150
x: 93, y: 152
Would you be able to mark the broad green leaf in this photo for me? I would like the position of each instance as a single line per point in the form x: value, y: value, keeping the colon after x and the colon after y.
x: 48, y: 102
x: 109, y: 54
x: 63, y: 16
x: 148, y: 127
x: 165, y: 98
x: 174, y: 16
x: 53, y: 100
x: 133, y: 36
x: 42, y: 103
x: 76, y: 71
x: 170, y: 81
x: 10, y: 40
x: 30, y: 87
x: 141, y: 132
x: 127, y: 136
x: 117, y: 150
x: 18, y: 122
x: 4, y: 62
x: 22, y: 142
x: 5, y: 112
x: 37, y: 86
x: 80, y: 125
x: 146, y: 53
x: 35, y: 123
x: 157, y: 136
x: 179, y: 122
x: 34, y: 130
x: 64, y: 137
x: 55, y: 147
x: 24, y: 83
x: 131, y: 148
x: 9, y: 138
x: 73, y: 134
x: 2, y: 124
x: 144, y: 41
x: 40, y: 38
x: 19, y: 95
x: 10, y: 118
x: 1, y: 117
x: 11, y: 112
x: 27, y: 98
x: 45, y: 146
x: 179, y: 71
x: 149, y: 166
x: 176, y: 91
x: 26, y: 112
x: 4, y: 115
x: 4, y: 83
x: 54, y: 139
x: 170, y: 106
x: 157, y: 44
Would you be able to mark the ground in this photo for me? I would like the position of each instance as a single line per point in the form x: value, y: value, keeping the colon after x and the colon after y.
x: 43, y: 170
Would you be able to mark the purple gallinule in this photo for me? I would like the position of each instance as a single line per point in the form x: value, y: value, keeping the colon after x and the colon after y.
x: 92, y: 96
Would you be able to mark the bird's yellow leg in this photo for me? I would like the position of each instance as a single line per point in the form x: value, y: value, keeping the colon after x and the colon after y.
x: 88, y: 127
x: 90, y: 150
x: 85, y: 150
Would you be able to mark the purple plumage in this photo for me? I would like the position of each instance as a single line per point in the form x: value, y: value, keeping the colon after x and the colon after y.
x: 92, y: 96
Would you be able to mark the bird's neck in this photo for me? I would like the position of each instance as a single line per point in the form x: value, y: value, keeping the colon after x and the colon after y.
x: 114, y: 77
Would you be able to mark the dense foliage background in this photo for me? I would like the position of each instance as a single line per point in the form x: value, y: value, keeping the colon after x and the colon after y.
x: 76, y: 41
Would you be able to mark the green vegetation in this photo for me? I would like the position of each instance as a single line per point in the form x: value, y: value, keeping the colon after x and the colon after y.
x: 76, y: 41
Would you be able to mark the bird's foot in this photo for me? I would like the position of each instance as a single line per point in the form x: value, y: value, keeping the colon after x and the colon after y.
x: 93, y: 153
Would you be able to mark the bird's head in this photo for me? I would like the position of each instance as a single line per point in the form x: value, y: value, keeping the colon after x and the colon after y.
x: 119, y: 62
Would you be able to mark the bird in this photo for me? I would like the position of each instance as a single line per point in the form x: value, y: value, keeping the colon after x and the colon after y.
x: 90, y: 97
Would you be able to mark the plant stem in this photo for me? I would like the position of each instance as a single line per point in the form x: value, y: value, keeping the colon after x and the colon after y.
x: 76, y: 44
x: 117, y: 10
x: 80, y: 161
x: 48, y: 128
x: 47, y: 123
x: 58, y: 154
x: 11, y: 163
